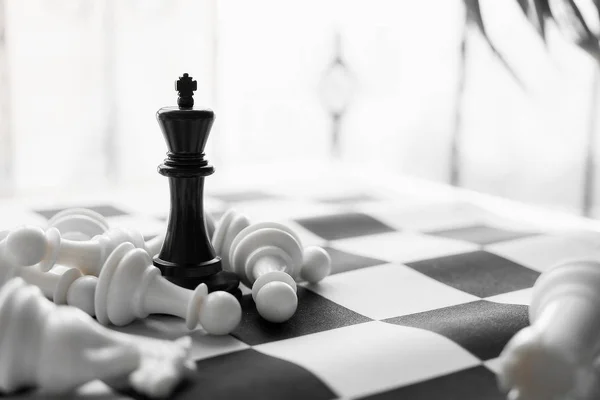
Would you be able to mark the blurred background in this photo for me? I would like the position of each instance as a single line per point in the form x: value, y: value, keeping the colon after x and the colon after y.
x: 495, y: 96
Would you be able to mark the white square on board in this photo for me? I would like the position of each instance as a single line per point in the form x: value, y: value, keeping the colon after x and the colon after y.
x: 278, y: 209
x: 171, y: 328
x: 543, y: 252
x: 307, y: 237
x: 13, y: 215
x: 362, y: 359
x: 522, y: 297
x: 368, y: 291
x: 493, y: 365
x: 430, y: 216
x: 403, y: 247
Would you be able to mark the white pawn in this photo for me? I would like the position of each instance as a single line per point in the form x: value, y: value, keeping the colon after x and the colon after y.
x: 79, y: 223
x: 66, y: 285
x: 24, y: 247
x: 130, y: 287
x: 266, y: 258
x: 57, y: 348
x: 554, y: 356
x: 63, y: 285
x: 228, y: 227
x: 21, y: 247
x: 316, y: 263
x: 218, y: 313
x: 87, y: 255
x: 84, y: 224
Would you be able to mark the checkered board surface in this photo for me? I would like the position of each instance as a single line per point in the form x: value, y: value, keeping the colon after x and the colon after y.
x: 423, y: 296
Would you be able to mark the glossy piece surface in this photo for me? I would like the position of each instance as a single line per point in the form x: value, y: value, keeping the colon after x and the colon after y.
x: 187, y: 257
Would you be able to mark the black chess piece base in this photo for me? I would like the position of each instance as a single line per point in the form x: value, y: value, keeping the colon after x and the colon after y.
x: 210, y: 274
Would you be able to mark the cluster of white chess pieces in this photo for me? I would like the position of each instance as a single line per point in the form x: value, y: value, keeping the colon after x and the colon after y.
x: 54, y: 280
x: 88, y: 269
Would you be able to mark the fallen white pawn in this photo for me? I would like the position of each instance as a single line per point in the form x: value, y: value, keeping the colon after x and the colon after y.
x: 83, y: 224
x: 87, y: 255
x: 315, y: 265
x: 267, y: 256
x: 130, y: 287
x: 58, y: 348
x: 79, y: 223
x: 54, y: 284
x: 23, y: 246
x: 554, y: 357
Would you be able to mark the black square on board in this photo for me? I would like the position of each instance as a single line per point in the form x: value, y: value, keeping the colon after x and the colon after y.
x: 249, y: 374
x: 104, y: 210
x: 342, y: 261
x: 482, y: 327
x: 482, y: 234
x: 315, y: 314
x: 479, y: 273
x: 342, y: 226
x: 476, y: 383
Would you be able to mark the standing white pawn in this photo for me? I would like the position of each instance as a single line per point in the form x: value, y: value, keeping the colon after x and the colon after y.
x: 266, y: 258
x: 130, y: 287
x: 315, y: 265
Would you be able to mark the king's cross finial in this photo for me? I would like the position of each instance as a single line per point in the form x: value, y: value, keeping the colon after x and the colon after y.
x: 186, y: 86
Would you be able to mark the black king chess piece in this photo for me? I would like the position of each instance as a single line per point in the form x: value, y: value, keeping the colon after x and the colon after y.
x: 187, y: 257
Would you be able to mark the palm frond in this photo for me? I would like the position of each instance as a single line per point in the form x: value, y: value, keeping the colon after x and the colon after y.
x: 475, y: 19
x: 537, y: 12
x: 570, y: 21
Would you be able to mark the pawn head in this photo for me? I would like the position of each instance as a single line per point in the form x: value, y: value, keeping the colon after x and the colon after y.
x: 316, y: 264
x: 220, y: 313
x: 276, y: 301
x: 27, y: 245
x: 81, y: 294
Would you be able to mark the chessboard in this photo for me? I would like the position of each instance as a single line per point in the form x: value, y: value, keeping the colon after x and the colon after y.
x: 426, y: 289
